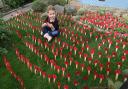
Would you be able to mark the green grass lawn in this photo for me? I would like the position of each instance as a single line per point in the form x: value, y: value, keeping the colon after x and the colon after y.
x: 72, y: 35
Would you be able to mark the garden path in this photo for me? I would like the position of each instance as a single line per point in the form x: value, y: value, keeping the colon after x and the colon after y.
x: 13, y: 13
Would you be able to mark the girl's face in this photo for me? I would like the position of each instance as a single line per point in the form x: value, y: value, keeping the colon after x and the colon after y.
x: 51, y: 14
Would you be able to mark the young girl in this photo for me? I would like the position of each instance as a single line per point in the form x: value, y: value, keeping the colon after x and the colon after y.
x: 50, y: 26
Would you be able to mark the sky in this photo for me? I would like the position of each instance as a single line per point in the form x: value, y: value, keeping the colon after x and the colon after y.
x: 110, y: 3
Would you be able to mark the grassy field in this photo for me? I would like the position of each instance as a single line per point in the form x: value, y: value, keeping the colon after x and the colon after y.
x: 89, y: 64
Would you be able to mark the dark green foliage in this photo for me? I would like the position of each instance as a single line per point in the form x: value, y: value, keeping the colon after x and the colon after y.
x: 41, y: 5
x: 127, y: 22
x: 16, y: 3
x: 5, y: 38
x: 59, y: 2
x: 121, y: 30
x: 101, y: 11
x: 81, y: 11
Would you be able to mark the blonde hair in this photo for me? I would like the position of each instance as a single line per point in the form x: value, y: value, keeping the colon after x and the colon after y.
x: 50, y: 7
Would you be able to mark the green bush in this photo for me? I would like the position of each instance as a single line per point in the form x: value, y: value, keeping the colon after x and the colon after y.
x: 101, y: 11
x: 5, y: 38
x: 59, y: 2
x: 14, y: 3
x: 3, y: 51
x: 127, y: 22
x: 17, y: 3
x: 121, y: 30
x: 39, y: 5
x: 28, y: 1
x: 81, y: 11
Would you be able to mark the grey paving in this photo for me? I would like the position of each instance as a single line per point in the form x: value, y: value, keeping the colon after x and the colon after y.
x: 14, y: 12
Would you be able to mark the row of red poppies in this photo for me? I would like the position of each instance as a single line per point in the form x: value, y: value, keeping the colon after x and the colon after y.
x: 108, y: 58
x: 106, y: 21
x: 9, y: 68
x: 98, y: 47
x: 59, y: 42
x: 76, y: 63
x: 52, y: 62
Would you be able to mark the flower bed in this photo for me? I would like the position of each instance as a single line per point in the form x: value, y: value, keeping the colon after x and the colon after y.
x: 79, y: 58
x: 106, y: 22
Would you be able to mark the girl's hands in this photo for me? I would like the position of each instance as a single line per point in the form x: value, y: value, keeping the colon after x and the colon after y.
x: 50, y: 25
x: 44, y: 24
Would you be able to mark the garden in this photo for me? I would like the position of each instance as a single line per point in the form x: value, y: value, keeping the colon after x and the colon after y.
x: 90, y: 52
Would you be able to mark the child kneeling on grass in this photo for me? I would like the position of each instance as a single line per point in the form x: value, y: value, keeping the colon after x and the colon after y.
x: 50, y: 27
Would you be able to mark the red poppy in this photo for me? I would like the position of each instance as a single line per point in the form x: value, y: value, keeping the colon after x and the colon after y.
x: 123, y: 58
x: 101, y: 76
x: 66, y: 64
x: 76, y: 63
x: 59, y: 85
x: 68, y: 76
x: 75, y: 82
x: 54, y: 77
x: 66, y: 87
x: 77, y: 73
x: 89, y: 70
x: 117, y: 72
